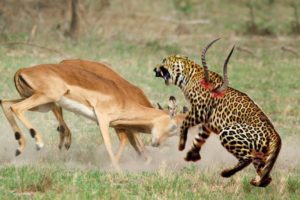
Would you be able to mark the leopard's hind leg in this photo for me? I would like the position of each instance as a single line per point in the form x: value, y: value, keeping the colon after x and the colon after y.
x: 238, y: 167
x: 259, y: 165
x: 249, y: 144
x: 235, y: 139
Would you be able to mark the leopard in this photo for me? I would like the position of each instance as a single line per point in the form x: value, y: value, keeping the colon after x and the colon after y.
x: 244, y: 129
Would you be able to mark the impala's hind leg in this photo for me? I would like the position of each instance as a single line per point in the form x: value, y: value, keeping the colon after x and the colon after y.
x: 64, y: 131
x: 6, y: 104
x: 19, y: 108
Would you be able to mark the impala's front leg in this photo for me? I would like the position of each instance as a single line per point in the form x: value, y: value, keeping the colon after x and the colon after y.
x: 103, y: 121
x: 135, y: 141
x: 123, y: 141
x: 139, y: 146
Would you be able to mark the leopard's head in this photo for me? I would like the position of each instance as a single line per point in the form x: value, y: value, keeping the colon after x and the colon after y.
x: 178, y: 70
x: 174, y: 70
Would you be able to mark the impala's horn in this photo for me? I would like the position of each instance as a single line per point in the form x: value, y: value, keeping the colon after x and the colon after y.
x: 206, y: 76
x: 225, y: 84
x: 159, y: 106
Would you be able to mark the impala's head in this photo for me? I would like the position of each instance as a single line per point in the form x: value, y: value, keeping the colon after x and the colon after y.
x: 163, y: 128
x: 168, y: 125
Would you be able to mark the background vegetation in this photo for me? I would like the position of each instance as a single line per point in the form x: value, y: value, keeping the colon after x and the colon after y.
x: 134, y: 36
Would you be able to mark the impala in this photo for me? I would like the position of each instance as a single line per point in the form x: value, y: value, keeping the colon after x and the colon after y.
x: 106, y: 99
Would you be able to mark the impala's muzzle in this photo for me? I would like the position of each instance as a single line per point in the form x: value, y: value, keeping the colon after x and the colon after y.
x: 155, y: 143
x: 162, y: 72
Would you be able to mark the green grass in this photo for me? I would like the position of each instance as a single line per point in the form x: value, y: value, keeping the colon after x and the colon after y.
x: 51, y: 182
x: 134, y: 46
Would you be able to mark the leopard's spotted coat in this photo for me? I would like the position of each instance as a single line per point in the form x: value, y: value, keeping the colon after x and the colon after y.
x: 245, y: 131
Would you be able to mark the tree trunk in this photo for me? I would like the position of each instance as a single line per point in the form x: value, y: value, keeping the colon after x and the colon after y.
x: 74, y: 26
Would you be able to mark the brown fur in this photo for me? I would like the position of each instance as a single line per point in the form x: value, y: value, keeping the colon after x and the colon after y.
x: 106, y: 101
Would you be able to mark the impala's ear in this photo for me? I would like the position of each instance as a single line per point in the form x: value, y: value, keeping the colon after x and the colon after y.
x: 185, y: 109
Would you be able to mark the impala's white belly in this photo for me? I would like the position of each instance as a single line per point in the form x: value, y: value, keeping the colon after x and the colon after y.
x: 76, y: 107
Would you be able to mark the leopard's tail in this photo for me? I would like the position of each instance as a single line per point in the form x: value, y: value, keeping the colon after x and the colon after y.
x: 274, y: 149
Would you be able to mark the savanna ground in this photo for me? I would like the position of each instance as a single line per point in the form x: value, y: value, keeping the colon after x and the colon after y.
x: 134, y: 36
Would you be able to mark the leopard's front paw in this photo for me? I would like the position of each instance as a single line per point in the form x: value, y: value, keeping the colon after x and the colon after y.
x: 192, y: 156
x: 181, y: 144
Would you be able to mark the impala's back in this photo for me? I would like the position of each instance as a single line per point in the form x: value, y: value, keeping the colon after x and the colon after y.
x: 132, y: 92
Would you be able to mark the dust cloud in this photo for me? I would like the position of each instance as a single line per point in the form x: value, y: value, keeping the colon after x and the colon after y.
x: 82, y: 156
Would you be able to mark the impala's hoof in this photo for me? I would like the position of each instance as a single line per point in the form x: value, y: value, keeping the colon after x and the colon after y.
x: 68, y: 140
x: 67, y: 146
x: 18, y: 152
x: 192, y: 156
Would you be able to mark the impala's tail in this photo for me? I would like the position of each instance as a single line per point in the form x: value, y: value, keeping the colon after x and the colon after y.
x: 22, y: 86
x: 275, y: 146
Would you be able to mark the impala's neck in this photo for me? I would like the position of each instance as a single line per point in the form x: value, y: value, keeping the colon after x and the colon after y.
x: 141, y: 116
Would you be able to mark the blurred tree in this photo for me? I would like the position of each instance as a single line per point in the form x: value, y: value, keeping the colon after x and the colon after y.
x: 259, y: 24
x: 74, y: 30
x: 295, y: 26
x: 104, y: 3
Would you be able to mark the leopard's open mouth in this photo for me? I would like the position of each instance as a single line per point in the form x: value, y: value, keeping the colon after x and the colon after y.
x: 163, y: 73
